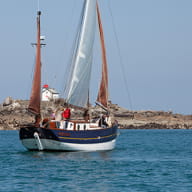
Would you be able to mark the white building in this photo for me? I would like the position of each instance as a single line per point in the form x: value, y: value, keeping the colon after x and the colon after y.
x: 49, y: 93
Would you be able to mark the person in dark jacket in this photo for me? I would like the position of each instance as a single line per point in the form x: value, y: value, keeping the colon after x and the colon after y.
x: 102, y: 122
x: 86, y: 115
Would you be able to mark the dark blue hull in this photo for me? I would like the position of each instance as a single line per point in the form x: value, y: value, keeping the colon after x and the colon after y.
x: 82, y: 138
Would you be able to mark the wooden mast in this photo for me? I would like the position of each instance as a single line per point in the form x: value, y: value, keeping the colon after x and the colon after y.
x: 35, y: 99
x: 103, y: 91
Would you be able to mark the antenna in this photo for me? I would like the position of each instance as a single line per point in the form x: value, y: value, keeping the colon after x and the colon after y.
x: 38, y: 5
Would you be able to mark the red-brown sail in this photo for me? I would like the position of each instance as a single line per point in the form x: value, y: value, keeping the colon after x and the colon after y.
x: 103, y: 91
x: 35, y: 99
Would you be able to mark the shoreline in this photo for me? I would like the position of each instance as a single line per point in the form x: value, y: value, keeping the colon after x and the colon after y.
x: 14, y: 114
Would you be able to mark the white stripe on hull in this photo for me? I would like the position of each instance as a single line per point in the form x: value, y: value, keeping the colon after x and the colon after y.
x: 63, y: 146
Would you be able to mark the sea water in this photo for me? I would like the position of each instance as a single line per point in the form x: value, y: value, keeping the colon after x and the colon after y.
x: 143, y: 160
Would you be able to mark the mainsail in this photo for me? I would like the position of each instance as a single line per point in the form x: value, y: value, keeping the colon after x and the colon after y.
x: 102, y: 97
x: 79, y: 80
x: 35, y: 99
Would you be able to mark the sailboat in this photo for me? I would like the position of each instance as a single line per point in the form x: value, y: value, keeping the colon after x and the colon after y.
x: 73, y: 134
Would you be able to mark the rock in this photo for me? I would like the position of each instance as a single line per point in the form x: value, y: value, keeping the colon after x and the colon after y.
x: 7, y: 101
x: 15, y: 105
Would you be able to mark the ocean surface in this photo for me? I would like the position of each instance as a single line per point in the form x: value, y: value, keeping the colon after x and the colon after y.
x: 143, y: 160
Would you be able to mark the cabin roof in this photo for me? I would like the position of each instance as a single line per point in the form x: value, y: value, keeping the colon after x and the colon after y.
x: 53, y: 91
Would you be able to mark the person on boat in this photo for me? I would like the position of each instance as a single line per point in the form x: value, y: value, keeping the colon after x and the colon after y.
x: 108, y: 120
x: 102, y: 122
x: 86, y: 115
x: 53, y: 115
x: 66, y: 115
x: 58, y: 114
x: 45, y: 123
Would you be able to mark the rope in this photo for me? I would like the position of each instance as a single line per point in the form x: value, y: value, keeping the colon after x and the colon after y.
x: 120, y: 57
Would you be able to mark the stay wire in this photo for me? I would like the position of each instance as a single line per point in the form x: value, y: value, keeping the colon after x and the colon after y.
x: 120, y: 57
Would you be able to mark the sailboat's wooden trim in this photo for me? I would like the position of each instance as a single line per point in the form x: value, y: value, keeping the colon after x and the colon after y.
x: 103, y: 91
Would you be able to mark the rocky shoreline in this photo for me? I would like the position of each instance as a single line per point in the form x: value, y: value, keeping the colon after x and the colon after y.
x: 13, y: 113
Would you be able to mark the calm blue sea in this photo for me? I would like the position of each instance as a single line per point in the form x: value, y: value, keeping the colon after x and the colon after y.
x: 144, y: 160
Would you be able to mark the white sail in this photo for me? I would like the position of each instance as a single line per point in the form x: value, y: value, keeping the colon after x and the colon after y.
x: 79, y: 80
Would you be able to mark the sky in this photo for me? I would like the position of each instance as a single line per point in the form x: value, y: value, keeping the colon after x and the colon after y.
x: 148, y: 42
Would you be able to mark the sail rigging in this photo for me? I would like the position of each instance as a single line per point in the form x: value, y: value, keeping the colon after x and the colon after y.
x: 79, y: 80
x: 35, y: 99
x: 102, y: 97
